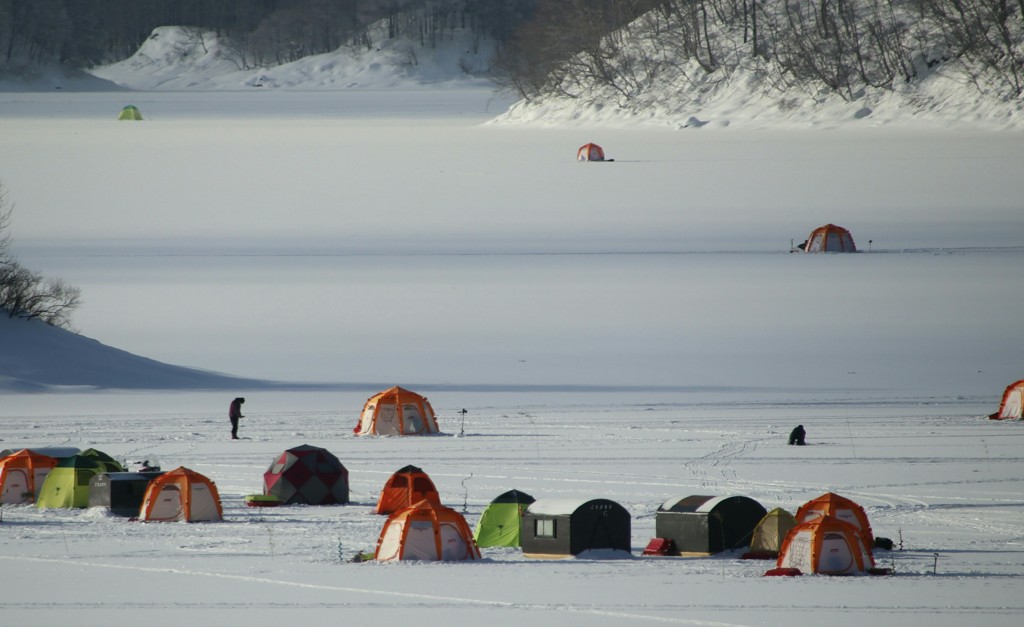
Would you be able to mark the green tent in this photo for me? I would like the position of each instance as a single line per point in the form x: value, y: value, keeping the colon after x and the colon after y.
x: 130, y: 112
x: 499, y: 524
x: 67, y: 485
x: 771, y: 531
x: 109, y: 463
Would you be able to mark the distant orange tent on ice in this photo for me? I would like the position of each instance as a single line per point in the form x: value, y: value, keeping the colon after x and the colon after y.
x: 1012, y: 405
x: 590, y: 152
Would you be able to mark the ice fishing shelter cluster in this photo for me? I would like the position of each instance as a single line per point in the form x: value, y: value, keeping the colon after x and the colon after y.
x: 702, y: 525
x: 307, y: 475
x: 396, y: 411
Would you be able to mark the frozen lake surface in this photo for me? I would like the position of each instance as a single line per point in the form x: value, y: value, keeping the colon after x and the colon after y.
x: 633, y: 330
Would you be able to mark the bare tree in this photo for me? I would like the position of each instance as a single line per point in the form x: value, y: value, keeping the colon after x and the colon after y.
x: 26, y: 294
x: 989, y: 33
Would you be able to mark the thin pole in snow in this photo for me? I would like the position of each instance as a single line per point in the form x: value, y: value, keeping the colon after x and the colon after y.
x: 465, y: 498
x: 462, y: 429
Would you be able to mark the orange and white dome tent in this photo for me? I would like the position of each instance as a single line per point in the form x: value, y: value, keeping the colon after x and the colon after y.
x: 825, y: 546
x: 406, y: 486
x: 840, y: 507
x: 396, y: 411
x: 830, y: 239
x: 426, y: 531
x: 22, y: 475
x: 590, y: 152
x: 181, y: 495
x: 1012, y: 405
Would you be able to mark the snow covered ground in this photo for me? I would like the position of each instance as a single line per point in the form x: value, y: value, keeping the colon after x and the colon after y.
x: 633, y: 330
x: 936, y: 476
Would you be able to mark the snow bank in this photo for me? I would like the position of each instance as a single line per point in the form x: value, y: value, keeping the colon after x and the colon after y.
x: 942, y: 99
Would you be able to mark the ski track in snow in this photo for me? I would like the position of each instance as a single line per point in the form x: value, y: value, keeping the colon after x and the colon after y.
x: 434, y: 600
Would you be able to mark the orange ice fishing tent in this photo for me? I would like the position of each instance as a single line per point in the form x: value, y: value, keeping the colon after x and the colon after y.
x: 426, y: 531
x: 830, y: 239
x: 831, y: 504
x: 396, y: 411
x: 825, y: 546
x: 22, y: 475
x: 181, y: 495
x: 407, y: 486
x: 1012, y: 406
x: 590, y: 152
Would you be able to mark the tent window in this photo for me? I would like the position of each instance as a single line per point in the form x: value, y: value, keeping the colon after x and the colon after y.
x: 413, y: 420
x: 83, y: 478
x: 544, y: 528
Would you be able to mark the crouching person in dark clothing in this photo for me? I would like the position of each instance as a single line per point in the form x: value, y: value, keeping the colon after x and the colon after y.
x: 796, y: 436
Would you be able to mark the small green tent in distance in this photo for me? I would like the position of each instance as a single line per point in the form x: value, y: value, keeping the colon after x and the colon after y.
x: 130, y: 112
x: 499, y: 524
x: 67, y: 485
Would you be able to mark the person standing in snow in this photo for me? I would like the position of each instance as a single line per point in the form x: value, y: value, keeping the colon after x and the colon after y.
x: 796, y: 436
x: 234, y: 413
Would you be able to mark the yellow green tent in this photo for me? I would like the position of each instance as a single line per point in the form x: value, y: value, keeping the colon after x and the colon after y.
x: 130, y: 112
x: 67, y: 485
x: 499, y: 523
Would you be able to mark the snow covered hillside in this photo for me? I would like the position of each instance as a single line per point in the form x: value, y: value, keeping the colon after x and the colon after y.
x: 174, y: 58
x: 38, y: 357
x: 941, y: 100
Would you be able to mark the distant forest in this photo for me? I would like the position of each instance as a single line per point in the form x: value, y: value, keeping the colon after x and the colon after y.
x: 83, y: 33
x: 570, y: 47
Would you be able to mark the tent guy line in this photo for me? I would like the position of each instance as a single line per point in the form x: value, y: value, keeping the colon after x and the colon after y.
x: 407, y: 595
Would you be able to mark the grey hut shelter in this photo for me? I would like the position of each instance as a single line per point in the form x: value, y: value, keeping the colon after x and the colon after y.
x: 120, y: 492
x: 564, y: 527
x: 708, y: 524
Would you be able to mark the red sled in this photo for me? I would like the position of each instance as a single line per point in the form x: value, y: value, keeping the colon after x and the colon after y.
x: 660, y: 546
